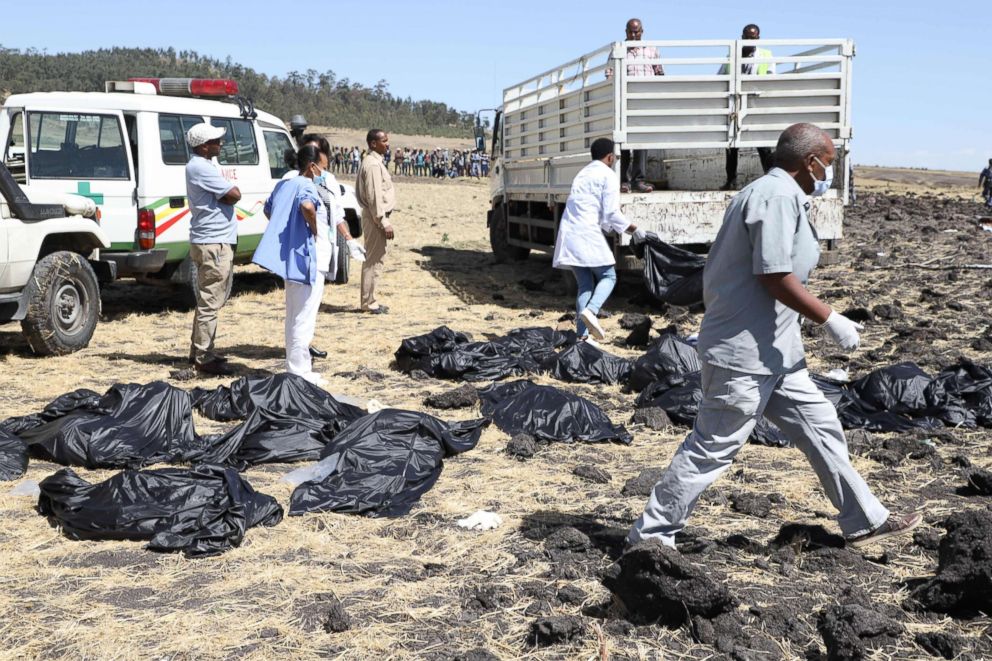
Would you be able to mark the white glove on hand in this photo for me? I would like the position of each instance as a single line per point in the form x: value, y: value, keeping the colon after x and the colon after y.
x: 639, y: 236
x: 843, y: 331
x: 356, y: 251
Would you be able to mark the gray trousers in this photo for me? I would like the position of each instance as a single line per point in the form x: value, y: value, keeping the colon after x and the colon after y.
x: 732, y: 404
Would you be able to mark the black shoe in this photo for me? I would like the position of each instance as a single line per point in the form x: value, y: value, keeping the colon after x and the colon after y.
x: 317, y: 353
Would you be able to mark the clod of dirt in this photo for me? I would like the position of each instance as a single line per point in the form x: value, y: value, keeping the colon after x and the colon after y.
x: 980, y: 482
x: 488, y: 598
x: 522, y: 446
x: 939, y: 643
x: 861, y: 442
x: 927, y: 539
x: 478, y: 654
x: 850, y: 630
x: 658, y: 584
x: 593, y: 474
x: 419, y: 375
x: 639, y: 326
x: 963, y: 583
x: 653, y: 418
x: 887, y: 311
x: 568, y: 538
x: 461, y: 397
x: 643, y: 484
x: 722, y: 632
x: 186, y: 374
x: 752, y: 504
x: 744, y: 543
x: 323, y: 611
x: 859, y: 315
x: 555, y: 630
x: 572, y: 594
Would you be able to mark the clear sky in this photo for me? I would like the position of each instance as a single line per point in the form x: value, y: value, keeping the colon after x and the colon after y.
x: 922, y: 86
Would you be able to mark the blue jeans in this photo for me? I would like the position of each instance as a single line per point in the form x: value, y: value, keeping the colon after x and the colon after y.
x: 595, y: 283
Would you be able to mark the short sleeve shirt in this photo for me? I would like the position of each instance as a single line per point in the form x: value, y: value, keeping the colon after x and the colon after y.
x: 211, y: 221
x: 765, y: 230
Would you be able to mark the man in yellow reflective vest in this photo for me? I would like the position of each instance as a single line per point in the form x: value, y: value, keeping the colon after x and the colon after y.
x: 750, y: 32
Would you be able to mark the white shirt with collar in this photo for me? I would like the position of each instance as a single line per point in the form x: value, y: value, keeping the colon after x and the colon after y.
x: 593, y: 207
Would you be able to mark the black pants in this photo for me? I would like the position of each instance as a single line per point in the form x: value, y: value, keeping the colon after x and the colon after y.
x: 632, y: 169
x: 766, y: 154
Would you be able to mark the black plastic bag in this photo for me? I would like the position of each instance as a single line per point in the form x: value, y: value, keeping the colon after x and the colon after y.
x: 678, y: 395
x: 964, y: 385
x: 383, y: 463
x: 672, y: 275
x: 415, y: 352
x: 548, y: 414
x: 284, y: 394
x: 584, y: 363
x: 13, y: 457
x: 77, y: 400
x: 668, y: 358
x: 130, y: 426
x: 201, y: 512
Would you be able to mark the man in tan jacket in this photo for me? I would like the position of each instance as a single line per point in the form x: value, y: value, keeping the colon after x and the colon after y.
x: 374, y: 190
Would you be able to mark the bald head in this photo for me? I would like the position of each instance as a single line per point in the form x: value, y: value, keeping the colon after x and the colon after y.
x: 798, y: 144
x: 634, y: 29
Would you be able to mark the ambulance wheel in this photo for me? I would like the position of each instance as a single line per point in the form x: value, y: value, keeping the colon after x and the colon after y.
x: 186, y: 276
x: 63, y: 300
x: 344, y: 261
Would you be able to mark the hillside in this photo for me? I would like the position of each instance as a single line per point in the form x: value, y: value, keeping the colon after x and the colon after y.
x: 322, y: 97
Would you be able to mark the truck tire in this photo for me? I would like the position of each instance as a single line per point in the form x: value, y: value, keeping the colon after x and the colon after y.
x: 63, y: 299
x: 186, y: 275
x: 344, y: 265
x: 498, y: 234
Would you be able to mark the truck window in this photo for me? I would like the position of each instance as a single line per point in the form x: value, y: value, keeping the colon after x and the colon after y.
x: 13, y: 156
x: 276, y: 144
x: 239, y: 142
x: 172, y: 134
x: 76, y: 146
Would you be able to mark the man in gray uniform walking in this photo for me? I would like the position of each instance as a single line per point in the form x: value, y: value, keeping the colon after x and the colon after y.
x: 752, y: 353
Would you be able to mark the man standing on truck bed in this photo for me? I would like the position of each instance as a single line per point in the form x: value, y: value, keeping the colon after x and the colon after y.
x: 374, y: 190
x: 750, y: 32
x: 752, y: 352
x: 213, y: 234
x: 633, y: 163
x: 593, y: 207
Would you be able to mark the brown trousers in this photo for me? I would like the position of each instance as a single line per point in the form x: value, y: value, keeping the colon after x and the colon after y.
x: 375, y: 253
x: 214, y: 270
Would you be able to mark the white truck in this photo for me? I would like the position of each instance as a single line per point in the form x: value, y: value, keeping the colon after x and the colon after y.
x: 686, y: 119
x: 50, y: 266
x: 126, y: 149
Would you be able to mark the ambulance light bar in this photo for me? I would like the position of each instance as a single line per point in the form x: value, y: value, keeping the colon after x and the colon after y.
x: 191, y: 86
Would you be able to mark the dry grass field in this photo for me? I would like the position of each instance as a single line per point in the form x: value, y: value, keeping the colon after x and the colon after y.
x: 419, y: 586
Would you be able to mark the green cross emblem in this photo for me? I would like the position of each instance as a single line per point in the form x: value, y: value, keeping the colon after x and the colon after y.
x: 83, y: 188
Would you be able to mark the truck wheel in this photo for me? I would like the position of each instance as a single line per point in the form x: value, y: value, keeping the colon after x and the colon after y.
x: 344, y: 266
x: 63, y: 300
x: 498, y: 234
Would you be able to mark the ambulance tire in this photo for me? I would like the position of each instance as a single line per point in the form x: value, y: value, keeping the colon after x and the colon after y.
x: 63, y: 299
x: 344, y: 262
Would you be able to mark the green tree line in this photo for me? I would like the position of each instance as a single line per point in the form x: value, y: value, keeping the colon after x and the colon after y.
x: 323, y: 98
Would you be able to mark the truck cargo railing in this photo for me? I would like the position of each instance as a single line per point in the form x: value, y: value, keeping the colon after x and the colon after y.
x: 704, y: 100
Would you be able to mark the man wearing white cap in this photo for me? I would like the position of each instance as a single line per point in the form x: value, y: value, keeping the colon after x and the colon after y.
x: 213, y: 233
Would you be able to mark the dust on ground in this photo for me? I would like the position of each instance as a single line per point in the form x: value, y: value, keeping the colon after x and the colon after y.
x: 418, y: 586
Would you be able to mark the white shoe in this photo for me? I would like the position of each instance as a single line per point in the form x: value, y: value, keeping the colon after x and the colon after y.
x: 591, y: 342
x: 592, y: 323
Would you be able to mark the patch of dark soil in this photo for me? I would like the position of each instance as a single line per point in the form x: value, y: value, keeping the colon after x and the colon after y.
x: 602, y: 538
x: 963, y: 584
x: 745, y: 543
x: 567, y: 538
x: 639, y: 326
x: 780, y: 622
x: 806, y: 537
x: 887, y: 311
x: 928, y: 539
x: 593, y: 474
x: 522, y: 446
x: 653, y: 418
x: 939, y: 643
x: 751, y: 504
x: 459, y: 398
x: 136, y: 598
x: 322, y: 611
x: 485, y: 598
x: 859, y: 315
x: 643, y: 483
x: 555, y: 630
x: 572, y: 594
x: 893, y: 451
x: 122, y: 559
x: 850, y: 631
x: 979, y: 482
x: 659, y: 584
x: 477, y: 654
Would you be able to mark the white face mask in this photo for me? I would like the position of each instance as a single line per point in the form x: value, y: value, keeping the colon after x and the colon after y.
x: 821, y: 187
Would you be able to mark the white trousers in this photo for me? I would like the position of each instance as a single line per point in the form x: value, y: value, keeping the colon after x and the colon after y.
x: 302, y: 305
x: 732, y: 404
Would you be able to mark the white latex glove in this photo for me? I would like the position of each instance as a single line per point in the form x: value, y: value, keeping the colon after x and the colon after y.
x: 356, y: 251
x: 843, y: 331
x: 481, y: 520
x: 639, y: 236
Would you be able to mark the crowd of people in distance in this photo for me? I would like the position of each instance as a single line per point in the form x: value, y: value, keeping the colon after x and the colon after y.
x: 438, y: 163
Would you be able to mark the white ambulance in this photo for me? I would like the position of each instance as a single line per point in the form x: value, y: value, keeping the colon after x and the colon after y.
x: 126, y: 149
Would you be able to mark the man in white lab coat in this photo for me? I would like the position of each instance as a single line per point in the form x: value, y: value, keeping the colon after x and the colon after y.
x: 593, y: 207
